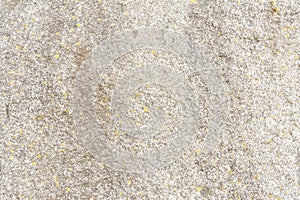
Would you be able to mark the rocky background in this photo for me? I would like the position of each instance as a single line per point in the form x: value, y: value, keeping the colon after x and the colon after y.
x: 255, y: 46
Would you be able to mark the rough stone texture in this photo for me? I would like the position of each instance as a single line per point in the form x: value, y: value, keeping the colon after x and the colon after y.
x: 255, y: 46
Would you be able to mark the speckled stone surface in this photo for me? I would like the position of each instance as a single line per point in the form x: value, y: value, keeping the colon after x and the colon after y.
x: 255, y: 48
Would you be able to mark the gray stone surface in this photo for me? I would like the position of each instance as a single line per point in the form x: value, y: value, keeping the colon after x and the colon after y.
x: 254, y: 47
